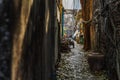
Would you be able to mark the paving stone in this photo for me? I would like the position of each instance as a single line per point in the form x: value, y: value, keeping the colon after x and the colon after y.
x: 74, y: 66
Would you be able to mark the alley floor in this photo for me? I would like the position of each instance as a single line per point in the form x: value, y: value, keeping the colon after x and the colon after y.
x: 74, y: 66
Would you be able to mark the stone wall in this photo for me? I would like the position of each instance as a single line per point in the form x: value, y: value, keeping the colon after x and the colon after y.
x: 28, y: 37
x: 105, y: 32
x: 110, y: 14
x: 5, y: 40
x: 96, y: 26
x: 39, y: 43
x: 109, y: 36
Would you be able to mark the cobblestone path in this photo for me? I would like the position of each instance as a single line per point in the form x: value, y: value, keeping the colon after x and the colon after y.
x: 74, y: 66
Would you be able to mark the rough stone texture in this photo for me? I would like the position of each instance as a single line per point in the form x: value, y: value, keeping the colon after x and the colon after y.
x: 74, y: 66
x: 5, y: 40
x: 106, y: 32
x: 109, y: 43
x: 95, y: 37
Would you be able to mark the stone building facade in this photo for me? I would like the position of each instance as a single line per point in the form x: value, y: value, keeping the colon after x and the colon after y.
x: 105, y: 31
x: 110, y: 43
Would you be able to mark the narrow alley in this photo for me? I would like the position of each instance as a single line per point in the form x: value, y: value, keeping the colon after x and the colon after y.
x: 74, y: 66
x: 59, y: 39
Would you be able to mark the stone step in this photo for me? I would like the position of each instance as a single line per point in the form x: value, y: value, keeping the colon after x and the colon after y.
x: 95, y: 61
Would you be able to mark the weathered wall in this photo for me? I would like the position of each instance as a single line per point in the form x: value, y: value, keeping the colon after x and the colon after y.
x: 110, y: 31
x: 28, y: 37
x: 21, y: 17
x: 107, y: 35
x: 86, y: 15
x: 33, y: 40
x: 95, y: 29
x: 5, y: 40
x: 91, y: 15
x: 105, y: 32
